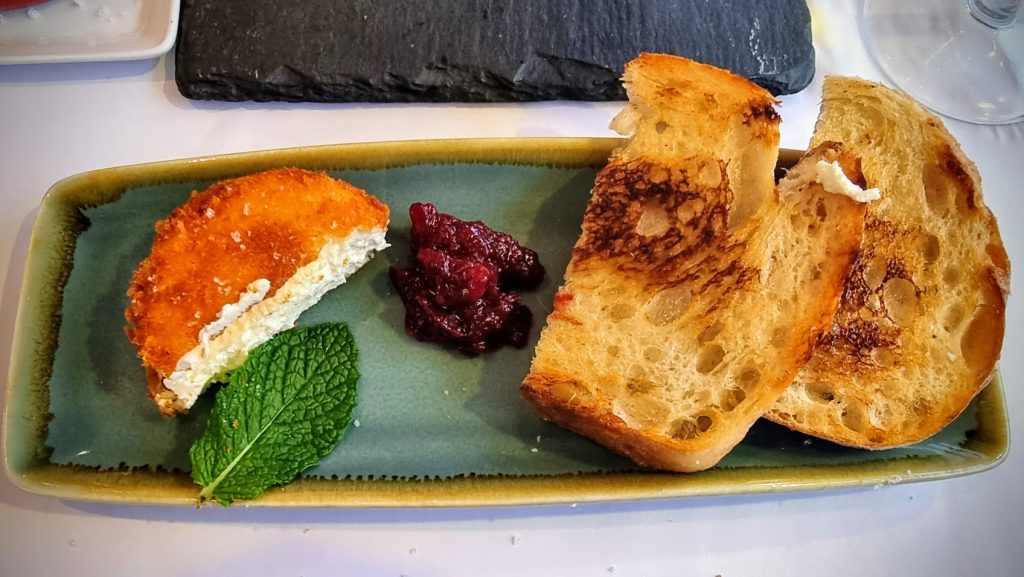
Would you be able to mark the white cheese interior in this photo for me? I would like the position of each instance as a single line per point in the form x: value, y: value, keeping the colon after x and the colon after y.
x: 229, y: 313
x: 254, y: 319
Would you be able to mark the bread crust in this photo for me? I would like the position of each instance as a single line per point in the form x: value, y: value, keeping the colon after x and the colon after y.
x: 920, y: 325
x: 695, y: 293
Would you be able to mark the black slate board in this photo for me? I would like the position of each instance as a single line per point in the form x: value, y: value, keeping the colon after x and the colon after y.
x: 474, y: 50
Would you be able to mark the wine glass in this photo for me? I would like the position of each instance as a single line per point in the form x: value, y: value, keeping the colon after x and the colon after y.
x: 961, y: 58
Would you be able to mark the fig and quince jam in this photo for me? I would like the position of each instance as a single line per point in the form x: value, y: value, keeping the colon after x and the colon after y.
x: 459, y: 286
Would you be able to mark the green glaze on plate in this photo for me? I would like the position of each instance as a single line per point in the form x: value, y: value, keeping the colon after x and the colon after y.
x: 434, y: 428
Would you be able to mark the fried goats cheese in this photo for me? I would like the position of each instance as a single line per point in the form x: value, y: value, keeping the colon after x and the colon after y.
x: 238, y: 263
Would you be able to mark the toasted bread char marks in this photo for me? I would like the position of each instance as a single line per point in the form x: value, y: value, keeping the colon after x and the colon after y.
x: 921, y: 320
x: 665, y: 226
x: 864, y: 321
x: 212, y: 248
x: 760, y: 115
x: 694, y: 293
x: 697, y: 111
x: 667, y: 209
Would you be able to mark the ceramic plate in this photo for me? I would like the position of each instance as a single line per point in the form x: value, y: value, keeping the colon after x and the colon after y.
x: 88, y: 31
x: 432, y: 428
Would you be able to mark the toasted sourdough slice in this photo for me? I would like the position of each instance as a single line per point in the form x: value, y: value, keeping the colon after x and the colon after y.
x: 921, y: 321
x: 694, y: 294
x: 238, y: 263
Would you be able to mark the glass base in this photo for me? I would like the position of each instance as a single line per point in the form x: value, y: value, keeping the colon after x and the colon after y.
x: 946, y: 59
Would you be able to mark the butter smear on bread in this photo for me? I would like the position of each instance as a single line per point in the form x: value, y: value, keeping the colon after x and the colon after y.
x: 832, y: 177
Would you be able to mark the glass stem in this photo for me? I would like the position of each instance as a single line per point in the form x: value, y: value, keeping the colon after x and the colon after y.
x: 998, y: 14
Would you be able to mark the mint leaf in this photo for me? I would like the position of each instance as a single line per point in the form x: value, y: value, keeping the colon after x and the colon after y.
x: 280, y: 413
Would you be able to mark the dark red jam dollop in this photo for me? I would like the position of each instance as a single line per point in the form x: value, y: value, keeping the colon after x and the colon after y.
x: 458, y: 287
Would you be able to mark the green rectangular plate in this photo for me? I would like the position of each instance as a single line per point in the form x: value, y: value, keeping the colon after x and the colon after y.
x: 433, y: 428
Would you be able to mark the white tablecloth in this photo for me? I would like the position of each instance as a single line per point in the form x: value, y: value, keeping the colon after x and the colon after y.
x: 58, y: 120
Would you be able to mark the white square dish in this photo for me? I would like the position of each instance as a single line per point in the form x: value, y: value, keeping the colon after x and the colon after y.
x: 88, y: 31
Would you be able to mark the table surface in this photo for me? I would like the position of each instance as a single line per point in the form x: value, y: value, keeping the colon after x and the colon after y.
x: 58, y: 120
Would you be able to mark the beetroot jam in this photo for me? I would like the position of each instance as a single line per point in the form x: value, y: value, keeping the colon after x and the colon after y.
x: 458, y: 286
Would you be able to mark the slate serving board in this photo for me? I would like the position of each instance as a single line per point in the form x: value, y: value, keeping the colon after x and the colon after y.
x: 474, y: 50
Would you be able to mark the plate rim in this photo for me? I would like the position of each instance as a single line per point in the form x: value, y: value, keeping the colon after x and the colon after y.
x: 25, y: 460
